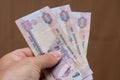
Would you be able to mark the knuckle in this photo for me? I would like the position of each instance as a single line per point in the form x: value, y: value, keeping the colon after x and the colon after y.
x: 17, y: 51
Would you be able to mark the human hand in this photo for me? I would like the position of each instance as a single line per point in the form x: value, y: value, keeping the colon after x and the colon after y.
x: 22, y: 65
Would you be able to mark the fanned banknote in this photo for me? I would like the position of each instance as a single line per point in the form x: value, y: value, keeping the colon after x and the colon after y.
x: 83, y: 26
x: 36, y: 30
x: 65, y: 19
x: 57, y: 29
x: 82, y: 22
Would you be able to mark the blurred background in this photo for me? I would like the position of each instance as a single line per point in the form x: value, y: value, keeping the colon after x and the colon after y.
x: 104, y: 43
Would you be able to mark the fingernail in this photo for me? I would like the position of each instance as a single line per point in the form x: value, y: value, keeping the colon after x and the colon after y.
x: 56, y: 54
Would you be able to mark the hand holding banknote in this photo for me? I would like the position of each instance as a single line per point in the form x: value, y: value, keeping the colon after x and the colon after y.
x: 59, y: 29
x: 22, y: 65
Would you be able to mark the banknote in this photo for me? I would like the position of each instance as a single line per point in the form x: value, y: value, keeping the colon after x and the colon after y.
x: 90, y: 77
x: 59, y: 29
x: 82, y: 20
x: 66, y: 21
x: 83, y: 33
x: 38, y: 33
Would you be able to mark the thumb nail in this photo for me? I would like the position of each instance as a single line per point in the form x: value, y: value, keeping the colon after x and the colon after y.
x: 56, y: 54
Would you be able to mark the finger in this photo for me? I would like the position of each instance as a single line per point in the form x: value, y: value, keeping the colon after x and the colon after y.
x: 23, y: 52
x: 20, y: 54
x: 16, y: 55
x: 48, y: 60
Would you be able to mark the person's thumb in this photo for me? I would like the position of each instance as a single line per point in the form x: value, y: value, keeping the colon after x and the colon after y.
x: 48, y: 60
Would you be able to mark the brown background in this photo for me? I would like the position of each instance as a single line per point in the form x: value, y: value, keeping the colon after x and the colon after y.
x: 104, y: 44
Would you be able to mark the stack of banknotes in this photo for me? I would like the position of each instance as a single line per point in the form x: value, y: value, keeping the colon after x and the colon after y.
x: 60, y: 29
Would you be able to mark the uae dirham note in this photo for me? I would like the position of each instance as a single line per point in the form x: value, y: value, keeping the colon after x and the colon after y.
x: 67, y: 23
x: 41, y: 39
x: 82, y: 21
x: 59, y: 29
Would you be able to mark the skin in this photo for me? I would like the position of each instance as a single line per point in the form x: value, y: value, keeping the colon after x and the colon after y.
x: 22, y: 65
